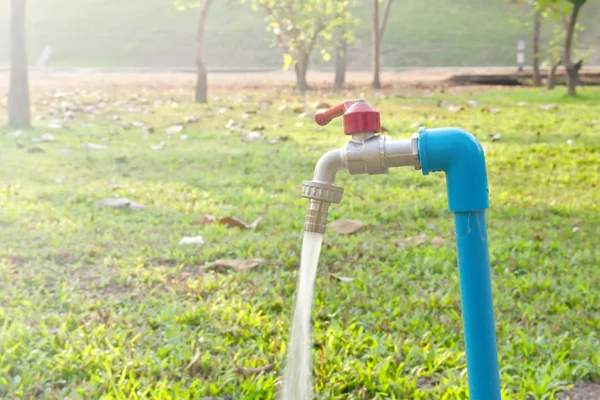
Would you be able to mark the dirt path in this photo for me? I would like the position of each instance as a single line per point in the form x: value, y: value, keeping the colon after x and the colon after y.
x: 138, y: 79
x: 123, y: 80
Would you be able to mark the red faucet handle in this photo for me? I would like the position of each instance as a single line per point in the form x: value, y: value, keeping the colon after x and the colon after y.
x: 359, y: 116
x: 323, y: 117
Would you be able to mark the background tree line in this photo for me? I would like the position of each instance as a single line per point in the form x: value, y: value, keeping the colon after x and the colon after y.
x: 304, y: 29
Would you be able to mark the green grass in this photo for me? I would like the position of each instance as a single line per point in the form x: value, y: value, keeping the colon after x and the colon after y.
x: 102, y: 303
x: 115, y: 33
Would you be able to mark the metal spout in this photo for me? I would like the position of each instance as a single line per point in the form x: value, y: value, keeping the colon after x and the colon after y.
x: 366, y: 153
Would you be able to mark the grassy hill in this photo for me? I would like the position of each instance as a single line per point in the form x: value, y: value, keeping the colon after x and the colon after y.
x: 113, y: 33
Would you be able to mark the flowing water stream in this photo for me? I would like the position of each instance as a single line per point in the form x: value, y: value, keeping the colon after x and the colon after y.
x: 297, y: 383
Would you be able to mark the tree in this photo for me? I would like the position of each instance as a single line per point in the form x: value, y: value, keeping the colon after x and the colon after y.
x: 18, y: 96
x: 537, y: 25
x: 377, y: 32
x: 343, y: 37
x: 300, y: 26
x: 569, y: 9
x: 340, y: 63
x: 572, y: 70
x: 201, y: 95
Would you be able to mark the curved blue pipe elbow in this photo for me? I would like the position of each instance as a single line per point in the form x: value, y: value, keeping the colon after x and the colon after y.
x: 459, y: 154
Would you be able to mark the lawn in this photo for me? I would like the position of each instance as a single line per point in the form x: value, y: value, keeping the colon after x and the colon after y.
x: 102, y: 302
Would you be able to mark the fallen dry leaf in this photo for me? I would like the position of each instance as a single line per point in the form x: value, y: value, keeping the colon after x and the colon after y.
x: 438, y: 241
x: 191, y: 240
x: 120, y: 202
x: 193, y: 361
x: 237, y: 265
x: 94, y: 147
x: 174, y: 129
x: 232, y: 124
x: 231, y: 222
x: 117, y: 186
x: 455, y: 109
x: 344, y: 279
x: 278, y: 139
x: 548, y: 106
x: 345, y: 226
x: 306, y: 114
x: 55, y: 124
x: 496, y: 137
x: 253, y: 137
x: 321, y: 105
x: 255, y: 371
x: 412, y: 240
x: 191, y: 119
x: 46, y: 137
x: 15, y: 134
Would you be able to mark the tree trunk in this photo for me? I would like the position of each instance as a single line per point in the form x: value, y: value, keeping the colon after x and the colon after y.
x: 537, y: 23
x: 375, y: 43
x: 301, y: 71
x: 201, y: 83
x: 578, y: 66
x: 340, y: 65
x: 552, y: 75
x: 569, y: 66
x: 297, y: 71
x: 18, y: 96
x: 571, y: 81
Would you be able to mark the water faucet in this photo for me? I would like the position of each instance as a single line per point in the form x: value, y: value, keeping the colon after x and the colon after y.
x: 460, y: 156
x: 366, y: 153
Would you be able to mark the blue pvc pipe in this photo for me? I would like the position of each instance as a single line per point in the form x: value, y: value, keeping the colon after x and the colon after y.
x: 477, y: 305
x: 459, y: 154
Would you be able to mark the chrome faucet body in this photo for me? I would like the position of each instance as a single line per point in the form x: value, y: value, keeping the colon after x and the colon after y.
x: 365, y: 153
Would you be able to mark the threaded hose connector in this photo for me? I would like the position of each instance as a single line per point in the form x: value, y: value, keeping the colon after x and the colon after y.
x: 321, y: 195
x: 327, y: 192
x: 316, y: 216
